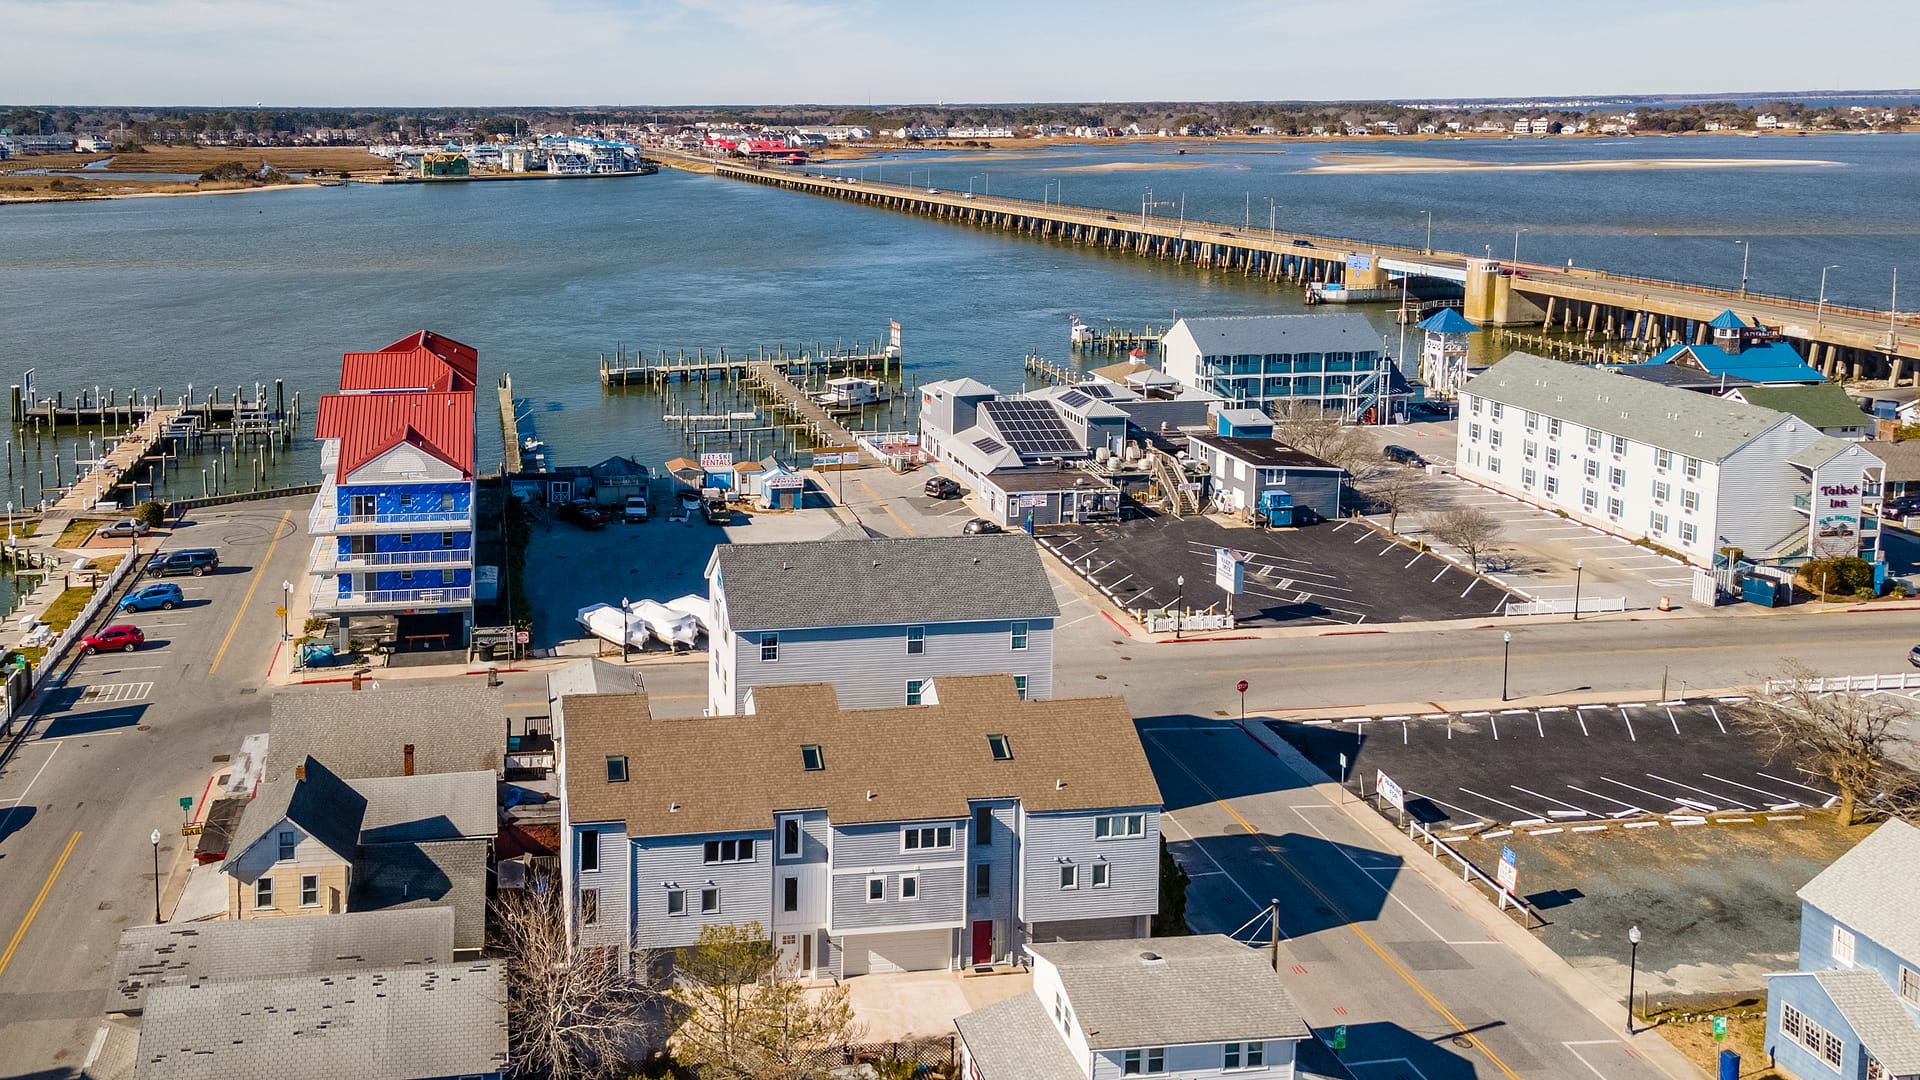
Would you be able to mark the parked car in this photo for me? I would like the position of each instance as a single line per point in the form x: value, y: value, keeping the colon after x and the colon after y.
x: 164, y: 595
x: 980, y: 527
x: 714, y: 509
x: 123, y: 527
x: 585, y: 513
x: 195, y: 561
x: 1901, y: 508
x: 636, y: 510
x: 1401, y: 455
x: 941, y: 487
x: 123, y: 636
x: 1913, y: 656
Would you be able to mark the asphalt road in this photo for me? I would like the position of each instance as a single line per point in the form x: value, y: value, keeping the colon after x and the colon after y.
x: 106, y: 763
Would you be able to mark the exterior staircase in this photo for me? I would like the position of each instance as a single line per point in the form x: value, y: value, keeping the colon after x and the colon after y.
x: 1168, y: 473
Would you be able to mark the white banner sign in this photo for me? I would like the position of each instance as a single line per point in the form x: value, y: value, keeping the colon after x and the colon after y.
x: 1390, y: 792
x: 1033, y: 500
x: 783, y: 482
x: 1509, y: 871
x: 711, y: 462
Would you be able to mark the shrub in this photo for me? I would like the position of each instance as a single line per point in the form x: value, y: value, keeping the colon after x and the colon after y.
x: 1863, y: 594
x: 151, y: 513
x: 1837, y: 576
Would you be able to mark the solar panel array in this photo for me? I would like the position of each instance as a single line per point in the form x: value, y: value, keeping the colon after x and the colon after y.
x: 1032, y: 428
x: 988, y: 445
x: 1074, y: 399
x: 1103, y: 391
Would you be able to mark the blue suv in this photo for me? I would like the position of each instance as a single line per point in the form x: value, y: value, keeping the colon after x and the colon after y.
x: 164, y: 595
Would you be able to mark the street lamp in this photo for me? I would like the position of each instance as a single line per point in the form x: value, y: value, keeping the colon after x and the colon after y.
x: 1179, y: 602
x: 1633, y: 963
x: 970, y: 181
x: 286, y: 610
x: 1516, y: 243
x: 1746, y: 255
x: 1429, y: 214
x: 156, y: 876
x: 1579, y: 567
x: 1271, y: 230
x: 1820, y: 311
x: 1506, y: 654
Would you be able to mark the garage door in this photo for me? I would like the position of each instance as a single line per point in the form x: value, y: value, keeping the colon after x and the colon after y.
x: 925, y: 950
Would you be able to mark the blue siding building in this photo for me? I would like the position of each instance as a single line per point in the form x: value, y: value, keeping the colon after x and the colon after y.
x: 1853, y: 1008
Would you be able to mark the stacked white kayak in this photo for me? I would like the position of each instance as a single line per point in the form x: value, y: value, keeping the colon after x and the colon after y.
x: 609, y: 623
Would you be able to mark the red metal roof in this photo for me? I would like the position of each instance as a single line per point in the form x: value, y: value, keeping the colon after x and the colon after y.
x: 369, y: 425
x: 423, y: 360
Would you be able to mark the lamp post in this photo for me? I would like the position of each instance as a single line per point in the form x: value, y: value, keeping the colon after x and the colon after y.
x: 1516, y: 243
x: 1746, y: 254
x: 1429, y: 214
x: 1579, y: 567
x: 970, y: 181
x: 1271, y: 229
x: 1820, y: 310
x: 1633, y: 963
x: 1146, y: 200
x: 1179, y: 602
x: 156, y: 876
x: 1506, y: 654
x: 286, y: 610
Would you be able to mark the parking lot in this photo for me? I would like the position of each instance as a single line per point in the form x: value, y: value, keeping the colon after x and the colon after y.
x: 1579, y: 767
x: 1340, y: 574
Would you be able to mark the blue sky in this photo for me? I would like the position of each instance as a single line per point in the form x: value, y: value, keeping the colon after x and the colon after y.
x: 478, y: 52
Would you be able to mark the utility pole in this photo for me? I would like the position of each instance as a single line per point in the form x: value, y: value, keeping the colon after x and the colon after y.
x: 1273, y: 917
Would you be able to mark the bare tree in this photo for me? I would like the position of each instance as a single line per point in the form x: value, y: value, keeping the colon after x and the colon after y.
x: 571, y: 1011
x: 1400, y: 490
x: 1325, y: 433
x: 1843, y: 737
x: 1468, y: 528
x: 745, y: 1015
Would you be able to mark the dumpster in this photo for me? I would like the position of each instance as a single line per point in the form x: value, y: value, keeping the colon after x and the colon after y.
x: 317, y: 656
x: 1276, y: 507
x: 1759, y: 590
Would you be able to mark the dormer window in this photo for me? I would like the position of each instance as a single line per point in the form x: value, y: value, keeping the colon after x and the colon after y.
x: 1002, y: 749
x: 811, y: 758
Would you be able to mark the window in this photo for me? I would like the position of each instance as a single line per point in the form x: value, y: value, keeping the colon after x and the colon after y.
x: 709, y: 901
x: 1795, y: 1025
x: 1493, y: 439
x: 1553, y: 485
x: 1843, y: 945
x: 769, y: 648
x: 406, y: 577
x: 1256, y: 1055
x: 916, y: 691
x: 1593, y: 439
x: 790, y: 894
x: 1526, y: 479
x: 1069, y: 877
x: 406, y: 500
x: 916, y: 640
x: 983, y: 879
x: 1019, y: 636
x: 1662, y: 459
x: 676, y: 901
x: 1617, y: 477
x: 1692, y: 470
x: 1688, y: 532
x: 589, y: 849
x: 1615, y: 508
x: 811, y: 758
x: 1875, y: 1070
x: 909, y: 886
x: 1689, y: 500
x: 1530, y: 449
x: 1099, y: 875
x: 1553, y: 455
x: 1533, y: 421
x: 982, y: 826
x: 789, y: 837
x: 309, y: 890
x: 1619, y: 446
x: 446, y: 577
x: 1001, y: 748
x: 589, y: 906
x: 876, y: 889
x: 927, y: 838
x: 288, y: 840
x: 1135, y: 1062
x: 1593, y: 469
x: 1497, y: 411
x: 1476, y: 406
x: 1553, y: 428
x: 1473, y: 432
x: 729, y: 851
x: 1251, y: 1055
x: 1659, y: 524
x: 1590, y: 499
x: 446, y: 539
x: 1909, y: 985
x: 1020, y: 686
x: 1116, y: 826
x: 263, y: 893
x: 1661, y: 491
x: 616, y: 768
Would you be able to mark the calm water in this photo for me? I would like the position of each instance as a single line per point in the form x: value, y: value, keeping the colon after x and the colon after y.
x: 542, y: 277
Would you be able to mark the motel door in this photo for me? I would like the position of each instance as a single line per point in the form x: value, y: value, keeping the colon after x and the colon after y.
x: 983, y: 941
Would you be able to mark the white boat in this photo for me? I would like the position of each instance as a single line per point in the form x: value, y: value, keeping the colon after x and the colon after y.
x: 609, y: 623
x: 697, y: 606
x: 676, y: 628
x: 852, y: 392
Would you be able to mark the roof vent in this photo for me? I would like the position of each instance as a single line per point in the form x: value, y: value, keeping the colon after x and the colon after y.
x: 1152, y: 958
x: 673, y: 808
x: 786, y: 566
x: 876, y: 564
x: 870, y: 795
x: 1059, y: 784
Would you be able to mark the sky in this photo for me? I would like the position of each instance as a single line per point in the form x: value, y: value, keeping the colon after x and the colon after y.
x: 232, y: 53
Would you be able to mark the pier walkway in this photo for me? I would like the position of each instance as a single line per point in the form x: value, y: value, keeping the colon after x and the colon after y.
x: 766, y: 377
x: 1846, y: 343
x: 110, y: 472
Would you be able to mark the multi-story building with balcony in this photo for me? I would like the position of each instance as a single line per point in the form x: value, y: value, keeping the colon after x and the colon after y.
x: 393, y: 522
x: 918, y: 837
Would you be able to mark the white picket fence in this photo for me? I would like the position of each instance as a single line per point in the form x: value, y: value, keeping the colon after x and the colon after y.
x: 78, y: 628
x: 1589, y: 605
x: 1165, y: 622
x: 1827, y: 684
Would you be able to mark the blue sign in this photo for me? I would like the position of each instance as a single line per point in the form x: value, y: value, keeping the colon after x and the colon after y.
x: 1509, y: 871
x: 1359, y: 262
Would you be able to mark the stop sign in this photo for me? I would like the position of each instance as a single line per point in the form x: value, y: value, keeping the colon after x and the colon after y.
x: 1241, y: 686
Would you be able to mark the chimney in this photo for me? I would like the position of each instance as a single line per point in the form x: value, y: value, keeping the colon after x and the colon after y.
x: 406, y: 760
x: 300, y: 773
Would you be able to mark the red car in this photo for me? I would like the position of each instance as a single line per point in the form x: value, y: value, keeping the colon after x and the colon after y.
x: 123, y: 636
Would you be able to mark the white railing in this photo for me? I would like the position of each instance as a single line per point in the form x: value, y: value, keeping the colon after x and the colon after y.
x: 327, y: 597
x: 1165, y: 622
x: 325, y: 558
x: 1589, y: 605
x: 77, y: 629
x: 326, y: 519
x: 1470, y: 872
x: 1828, y: 684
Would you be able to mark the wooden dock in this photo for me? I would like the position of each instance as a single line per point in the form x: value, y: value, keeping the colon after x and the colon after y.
x: 872, y: 360
x: 111, y: 472
x: 1040, y: 367
x: 509, y: 424
x: 770, y: 381
x: 1115, y: 339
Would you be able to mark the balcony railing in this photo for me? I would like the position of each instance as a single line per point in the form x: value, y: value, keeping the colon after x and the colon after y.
x: 326, y: 520
x: 325, y: 558
x: 327, y: 597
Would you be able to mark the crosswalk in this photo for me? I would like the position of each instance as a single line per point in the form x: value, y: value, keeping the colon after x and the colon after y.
x: 114, y: 693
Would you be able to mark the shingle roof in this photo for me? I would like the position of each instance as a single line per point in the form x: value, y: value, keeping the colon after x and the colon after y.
x: 449, y: 1020
x: 324, y: 805
x: 920, y: 762
x: 892, y: 582
x: 1697, y: 425
x: 962, y: 387
x: 1267, y: 452
x: 225, y: 949
x: 369, y: 425
x: 1824, y: 405
x: 1686, y: 378
x: 1876, y: 1016
x: 591, y: 677
x: 1204, y: 989
x: 450, y: 873
x: 1870, y: 889
x: 1825, y: 449
x: 1902, y: 459
x: 438, y: 806
x: 1014, y: 1039
x: 457, y: 727
x: 1261, y: 334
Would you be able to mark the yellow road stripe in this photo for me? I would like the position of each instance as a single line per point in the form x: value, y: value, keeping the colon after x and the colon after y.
x: 1459, y: 1027
x: 254, y: 584
x: 1568, y: 654
x: 7, y: 957
x: 883, y: 505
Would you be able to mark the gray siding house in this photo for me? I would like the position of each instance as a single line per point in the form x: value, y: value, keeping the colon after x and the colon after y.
x: 877, y: 618
x: 1244, y: 470
x: 917, y: 837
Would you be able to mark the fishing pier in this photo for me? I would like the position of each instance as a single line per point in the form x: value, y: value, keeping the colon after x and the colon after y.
x: 871, y: 359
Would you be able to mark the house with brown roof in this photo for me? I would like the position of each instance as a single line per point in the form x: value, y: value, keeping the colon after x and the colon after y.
x: 911, y: 837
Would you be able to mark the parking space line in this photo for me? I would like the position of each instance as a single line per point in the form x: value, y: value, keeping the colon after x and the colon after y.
x: 1607, y: 798
x: 1778, y: 798
x: 1550, y: 799
x: 1195, y: 841
x: 1631, y: 737
x: 1491, y: 799
x: 1716, y: 718
x: 1416, y: 558
x: 1795, y: 783
x: 1641, y: 790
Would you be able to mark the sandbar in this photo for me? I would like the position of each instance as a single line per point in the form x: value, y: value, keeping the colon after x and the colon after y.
x: 1387, y: 163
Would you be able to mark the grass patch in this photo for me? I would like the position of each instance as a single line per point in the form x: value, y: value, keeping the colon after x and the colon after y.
x: 1690, y: 1030
x: 104, y: 564
x: 24, y: 529
x: 79, y: 531
x: 66, y: 607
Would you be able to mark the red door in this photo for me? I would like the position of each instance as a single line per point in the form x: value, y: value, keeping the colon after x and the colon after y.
x: 983, y: 942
